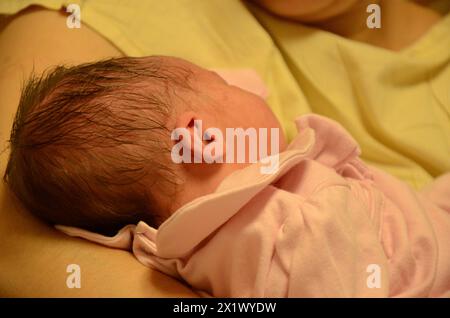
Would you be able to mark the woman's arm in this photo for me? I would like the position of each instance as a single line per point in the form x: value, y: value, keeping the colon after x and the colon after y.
x: 34, y: 257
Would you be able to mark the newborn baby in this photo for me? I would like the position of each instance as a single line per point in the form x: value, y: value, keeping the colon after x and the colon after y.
x: 91, y: 145
x: 91, y: 148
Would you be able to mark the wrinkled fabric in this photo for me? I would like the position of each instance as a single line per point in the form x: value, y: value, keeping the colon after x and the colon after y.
x: 324, y: 225
x: 392, y: 102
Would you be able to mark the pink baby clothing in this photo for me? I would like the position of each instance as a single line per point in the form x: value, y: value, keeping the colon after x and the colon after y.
x: 324, y: 225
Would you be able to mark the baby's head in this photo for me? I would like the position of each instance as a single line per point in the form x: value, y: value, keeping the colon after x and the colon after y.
x: 91, y: 144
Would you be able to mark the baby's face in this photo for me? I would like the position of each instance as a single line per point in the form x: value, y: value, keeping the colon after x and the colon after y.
x: 221, y: 105
x: 218, y: 105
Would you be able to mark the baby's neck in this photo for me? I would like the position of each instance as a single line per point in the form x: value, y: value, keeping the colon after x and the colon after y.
x: 402, y: 23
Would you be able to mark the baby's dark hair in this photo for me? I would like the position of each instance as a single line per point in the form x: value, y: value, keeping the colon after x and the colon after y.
x: 88, y: 143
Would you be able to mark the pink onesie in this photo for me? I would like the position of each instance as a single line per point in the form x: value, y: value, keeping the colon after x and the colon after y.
x: 324, y: 225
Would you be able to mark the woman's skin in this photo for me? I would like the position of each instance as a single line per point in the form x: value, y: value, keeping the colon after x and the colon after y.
x: 34, y: 257
x: 403, y: 22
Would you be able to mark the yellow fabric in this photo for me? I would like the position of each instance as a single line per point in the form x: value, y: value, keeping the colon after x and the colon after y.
x: 396, y: 105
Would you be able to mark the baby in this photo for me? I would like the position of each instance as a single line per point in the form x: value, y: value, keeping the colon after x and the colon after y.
x: 92, y: 146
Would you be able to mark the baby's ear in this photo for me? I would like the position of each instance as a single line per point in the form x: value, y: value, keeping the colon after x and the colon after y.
x: 186, y: 120
x: 194, y: 142
x: 187, y: 134
x: 247, y: 79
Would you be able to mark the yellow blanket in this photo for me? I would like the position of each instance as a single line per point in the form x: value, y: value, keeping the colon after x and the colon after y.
x: 396, y: 104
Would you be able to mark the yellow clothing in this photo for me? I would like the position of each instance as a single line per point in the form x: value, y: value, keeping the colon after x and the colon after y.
x: 396, y: 104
